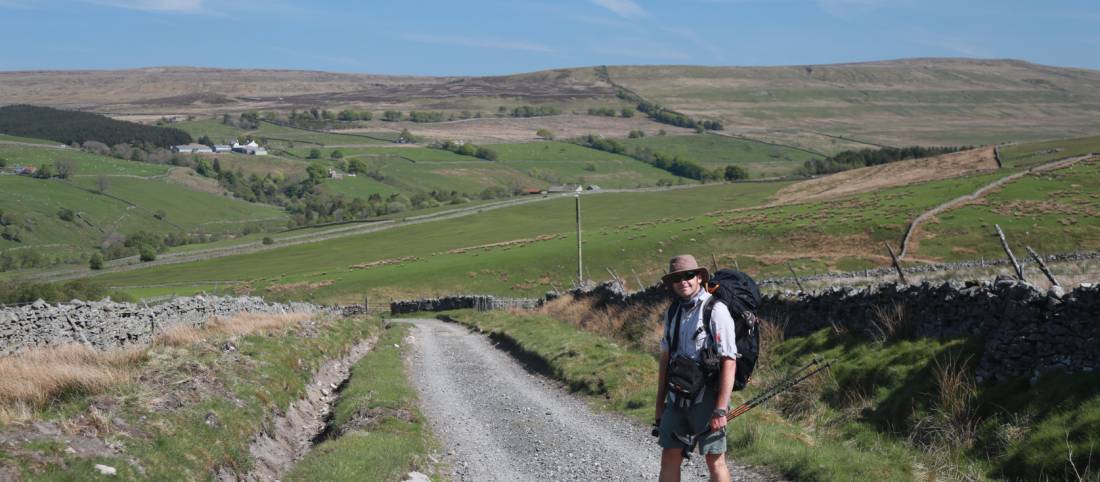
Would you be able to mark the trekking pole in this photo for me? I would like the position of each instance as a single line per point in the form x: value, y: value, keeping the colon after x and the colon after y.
x: 779, y: 387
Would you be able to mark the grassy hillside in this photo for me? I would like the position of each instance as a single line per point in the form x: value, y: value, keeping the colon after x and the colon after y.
x: 529, y: 249
x: 717, y: 151
x: 1051, y: 212
x: 902, y: 102
x: 136, y: 197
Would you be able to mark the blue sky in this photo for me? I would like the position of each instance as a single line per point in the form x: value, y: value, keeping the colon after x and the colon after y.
x: 501, y: 37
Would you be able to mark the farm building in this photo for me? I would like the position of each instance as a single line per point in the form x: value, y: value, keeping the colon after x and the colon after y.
x: 192, y: 149
x: 252, y: 148
x: 564, y: 188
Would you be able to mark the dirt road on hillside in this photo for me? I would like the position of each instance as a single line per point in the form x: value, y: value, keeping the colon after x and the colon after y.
x: 499, y: 422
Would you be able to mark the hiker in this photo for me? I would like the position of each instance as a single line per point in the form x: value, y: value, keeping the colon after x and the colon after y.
x: 679, y: 414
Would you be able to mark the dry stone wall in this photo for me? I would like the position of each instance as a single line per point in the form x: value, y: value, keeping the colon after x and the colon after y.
x: 1024, y: 331
x: 106, y: 324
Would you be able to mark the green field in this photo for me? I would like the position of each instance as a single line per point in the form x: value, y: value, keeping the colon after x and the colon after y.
x: 408, y: 154
x: 1034, y: 153
x: 1053, y: 212
x: 717, y: 151
x: 626, y: 232
x: 27, y: 140
x: 623, y: 233
x: 278, y: 136
x: 86, y: 164
x: 553, y: 151
x: 135, y: 195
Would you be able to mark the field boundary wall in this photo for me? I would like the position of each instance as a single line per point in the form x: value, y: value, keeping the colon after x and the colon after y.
x: 107, y: 324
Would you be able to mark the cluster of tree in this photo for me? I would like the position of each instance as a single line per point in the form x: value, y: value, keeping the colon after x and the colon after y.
x: 671, y: 117
x: 353, y: 115
x: 13, y: 225
x: 535, y: 111
x: 636, y: 134
x: 546, y: 134
x: 392, y: 116
x: 673, y: 164
x: 17, y: 259
x: 76, y: 127
x: 853, y: 159
x: 426, y: 116
x: 81, y: 289
x: 247, y: 121
x: 468, y: 149
x: 611, y: 112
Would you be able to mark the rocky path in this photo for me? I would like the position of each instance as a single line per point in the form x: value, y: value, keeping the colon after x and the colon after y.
x: 499, y: 422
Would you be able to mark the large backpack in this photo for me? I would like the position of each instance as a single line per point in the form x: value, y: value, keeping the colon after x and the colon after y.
x: 741, y: 294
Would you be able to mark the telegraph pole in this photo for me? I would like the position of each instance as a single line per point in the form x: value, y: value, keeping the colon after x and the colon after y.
x: 580, y: 263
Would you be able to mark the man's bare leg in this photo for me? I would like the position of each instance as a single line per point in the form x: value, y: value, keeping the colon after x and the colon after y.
x: 716, y: 464
x: 670, y: 465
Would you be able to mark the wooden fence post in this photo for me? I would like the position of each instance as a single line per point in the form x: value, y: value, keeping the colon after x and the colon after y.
x: 897, y: 264
x: 1011, y: 257
x: 1042, y: 266
x: 796, y: 280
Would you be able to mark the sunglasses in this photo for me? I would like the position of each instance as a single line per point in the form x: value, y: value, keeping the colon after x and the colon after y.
x: 675, y: 278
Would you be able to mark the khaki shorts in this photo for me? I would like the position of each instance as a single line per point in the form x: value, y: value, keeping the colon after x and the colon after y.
x: 690, y: 421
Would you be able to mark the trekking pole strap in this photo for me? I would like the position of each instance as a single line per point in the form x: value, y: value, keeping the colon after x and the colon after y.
x: 776, y: 389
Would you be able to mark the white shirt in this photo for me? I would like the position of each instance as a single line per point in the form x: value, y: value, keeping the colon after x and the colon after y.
x: 693, y: 338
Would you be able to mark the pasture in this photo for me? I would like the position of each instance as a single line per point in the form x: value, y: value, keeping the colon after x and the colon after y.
x: 714, y: 151
x: 1053, y: 212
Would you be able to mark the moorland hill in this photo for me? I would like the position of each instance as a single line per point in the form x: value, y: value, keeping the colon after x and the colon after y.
x: 824, y: 107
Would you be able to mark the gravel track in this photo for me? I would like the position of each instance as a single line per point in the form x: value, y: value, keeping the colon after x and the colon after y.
x: 497, y: 421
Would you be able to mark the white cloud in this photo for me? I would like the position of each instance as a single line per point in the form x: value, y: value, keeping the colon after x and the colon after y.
x: 481, y: 43
x: 178, y: 6
x: 622, y: 8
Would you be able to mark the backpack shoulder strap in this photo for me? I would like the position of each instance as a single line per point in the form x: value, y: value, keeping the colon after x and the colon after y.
x: 707, y: 309
x: 672, y: 331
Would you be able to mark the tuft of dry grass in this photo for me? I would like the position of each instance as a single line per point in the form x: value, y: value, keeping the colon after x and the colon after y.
x: 237, y: 325
x: 639, y: 324
x: 179, y: 335
x: 952, y: 422
x: 31, y: 379
x: 890, y: 323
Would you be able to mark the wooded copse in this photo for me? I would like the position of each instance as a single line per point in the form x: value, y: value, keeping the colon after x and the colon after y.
x: 854, y: 159
x: 68, y: 127
x: 673, y: 164
x: 468, y: 149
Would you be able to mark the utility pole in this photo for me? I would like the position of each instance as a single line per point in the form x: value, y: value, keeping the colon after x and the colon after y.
x: 580, y: 263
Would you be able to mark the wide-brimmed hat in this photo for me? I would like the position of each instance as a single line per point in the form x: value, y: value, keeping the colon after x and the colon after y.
x: 684, y: 263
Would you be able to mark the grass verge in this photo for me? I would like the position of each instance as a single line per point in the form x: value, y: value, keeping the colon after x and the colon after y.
x: 377, y: 431
x: 892, y: 407
x: 189, y: 409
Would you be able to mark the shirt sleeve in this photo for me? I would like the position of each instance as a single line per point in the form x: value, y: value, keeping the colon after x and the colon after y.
x: 725, y: 336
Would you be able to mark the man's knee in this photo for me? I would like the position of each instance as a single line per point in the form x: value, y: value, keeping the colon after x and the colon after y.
x: 716, y: 459
x: 672, y: 456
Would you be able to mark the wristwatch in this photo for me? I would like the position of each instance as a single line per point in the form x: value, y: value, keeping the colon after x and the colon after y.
x: 719, y: 412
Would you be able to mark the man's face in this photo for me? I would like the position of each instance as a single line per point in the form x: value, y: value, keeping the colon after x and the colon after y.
x: 685, y: 285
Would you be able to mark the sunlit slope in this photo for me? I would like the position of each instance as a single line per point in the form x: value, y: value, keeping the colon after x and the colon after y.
x: 902, y: 102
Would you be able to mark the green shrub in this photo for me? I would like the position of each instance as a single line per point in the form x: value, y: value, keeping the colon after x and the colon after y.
x: 148, y: 253
x: 96, y: 261
x: 66, y: 214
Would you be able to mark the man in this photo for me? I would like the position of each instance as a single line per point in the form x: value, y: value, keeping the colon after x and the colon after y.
x: 679, y: 418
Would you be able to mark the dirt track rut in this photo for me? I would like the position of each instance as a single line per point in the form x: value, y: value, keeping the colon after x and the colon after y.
x: 499, y: 422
